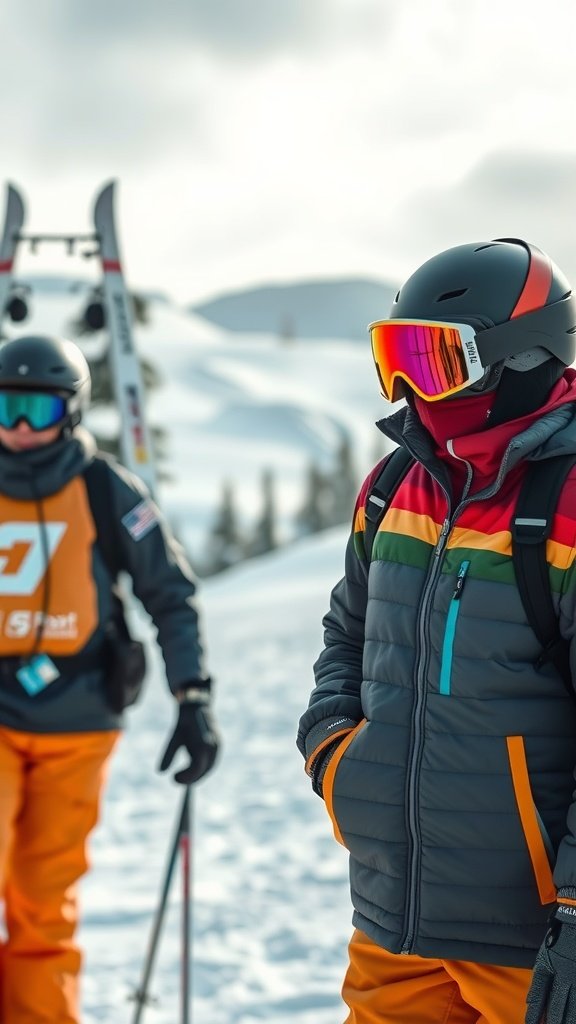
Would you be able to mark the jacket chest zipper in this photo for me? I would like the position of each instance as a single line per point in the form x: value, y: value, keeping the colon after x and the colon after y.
x: 416, y: 747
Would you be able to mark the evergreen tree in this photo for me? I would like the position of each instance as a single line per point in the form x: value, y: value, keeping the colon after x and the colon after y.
x: 264, y: 537
x: 224, y: 546
x: 343, y: 485
x: 312, y: 515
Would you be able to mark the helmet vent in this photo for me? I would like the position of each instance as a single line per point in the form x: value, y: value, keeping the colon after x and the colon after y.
x: 488, y: 245
x: 452, y: 295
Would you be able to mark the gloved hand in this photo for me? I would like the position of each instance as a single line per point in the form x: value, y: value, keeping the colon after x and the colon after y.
x: 320, y: 764
x: 196, y: 732
x: 552, y: 995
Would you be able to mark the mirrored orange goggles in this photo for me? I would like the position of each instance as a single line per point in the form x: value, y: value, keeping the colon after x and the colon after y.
x: 434, y: 359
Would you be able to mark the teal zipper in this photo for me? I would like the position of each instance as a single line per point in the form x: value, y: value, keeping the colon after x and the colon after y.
x: 450, y: 632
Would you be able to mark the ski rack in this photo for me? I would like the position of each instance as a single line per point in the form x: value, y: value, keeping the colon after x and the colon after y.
x: 70, y: 242
x: 125, y: 370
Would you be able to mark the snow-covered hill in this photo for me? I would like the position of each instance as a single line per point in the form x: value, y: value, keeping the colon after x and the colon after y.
x: 332, y: 308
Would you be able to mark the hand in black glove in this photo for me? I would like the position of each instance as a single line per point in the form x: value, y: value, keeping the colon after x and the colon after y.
x: 196, y: 732
x: 320, y: 764
x: 552, y: 995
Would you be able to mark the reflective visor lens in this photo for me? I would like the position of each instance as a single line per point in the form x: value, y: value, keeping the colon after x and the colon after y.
x: 435, y: 359
x: 38, y: 409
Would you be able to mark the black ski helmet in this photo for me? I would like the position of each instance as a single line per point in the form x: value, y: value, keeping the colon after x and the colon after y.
x: 43, y: 363
x: 513, y: 289
x: 506, y: 281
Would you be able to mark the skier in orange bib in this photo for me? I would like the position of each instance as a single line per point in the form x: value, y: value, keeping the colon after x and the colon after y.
x: 70, y: 521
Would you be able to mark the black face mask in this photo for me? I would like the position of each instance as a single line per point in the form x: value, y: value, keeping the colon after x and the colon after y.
x: 519, y: 394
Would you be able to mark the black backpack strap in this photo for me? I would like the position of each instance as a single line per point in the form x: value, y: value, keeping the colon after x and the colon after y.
x: 531, y: 528
x: 98, y: 486
x: 393, y: 471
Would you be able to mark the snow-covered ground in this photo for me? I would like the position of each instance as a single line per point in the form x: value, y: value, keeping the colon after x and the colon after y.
x: 271, y: 907
x: 271, y: 910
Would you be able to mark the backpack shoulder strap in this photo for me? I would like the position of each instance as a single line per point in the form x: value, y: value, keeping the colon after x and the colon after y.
x: 381, y: 492
x: 531, y: 528
x: 98, y: 486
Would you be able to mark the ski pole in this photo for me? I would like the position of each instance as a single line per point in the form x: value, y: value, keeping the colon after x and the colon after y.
x: 141, y: 996
x: 186, y: 853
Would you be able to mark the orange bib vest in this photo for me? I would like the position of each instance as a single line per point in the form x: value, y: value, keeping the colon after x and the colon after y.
x: 48, y: 598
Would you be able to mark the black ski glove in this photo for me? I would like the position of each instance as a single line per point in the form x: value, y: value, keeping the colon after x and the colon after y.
x: 196, y: 732
x: 320, y: 764
x: 552, y: 995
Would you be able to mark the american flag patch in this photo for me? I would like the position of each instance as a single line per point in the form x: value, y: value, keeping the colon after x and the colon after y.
x: 140, y: 520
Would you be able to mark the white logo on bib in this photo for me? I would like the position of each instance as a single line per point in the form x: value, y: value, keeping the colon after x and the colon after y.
x: 32, y: 565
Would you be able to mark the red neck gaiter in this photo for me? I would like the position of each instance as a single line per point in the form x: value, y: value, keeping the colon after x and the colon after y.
x: 465, y: 421
x: 451, y: 418
x: 455, y: 417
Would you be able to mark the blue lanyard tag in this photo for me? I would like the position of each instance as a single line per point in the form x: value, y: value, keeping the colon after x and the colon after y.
x: 37, y: 674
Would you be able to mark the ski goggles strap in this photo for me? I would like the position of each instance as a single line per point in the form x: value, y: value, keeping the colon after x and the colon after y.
x: 41, y: 410
x: 434, y: 359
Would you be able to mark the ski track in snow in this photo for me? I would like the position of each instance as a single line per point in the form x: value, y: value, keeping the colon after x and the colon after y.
x: 271, y: 910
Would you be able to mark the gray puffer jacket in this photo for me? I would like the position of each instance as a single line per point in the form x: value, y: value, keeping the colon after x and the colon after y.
x: 452, y: 783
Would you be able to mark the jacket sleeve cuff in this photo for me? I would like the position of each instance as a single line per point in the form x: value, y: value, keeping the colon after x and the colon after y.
x: 203, y: 683
x: 324, y: 732
x: 567, y: 895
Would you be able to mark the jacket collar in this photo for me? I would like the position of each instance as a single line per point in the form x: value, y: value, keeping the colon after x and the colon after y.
x: 548, y: 431
x: 36, y: 474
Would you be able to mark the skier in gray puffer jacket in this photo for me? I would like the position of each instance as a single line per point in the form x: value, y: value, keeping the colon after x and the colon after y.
x: 443, y: 744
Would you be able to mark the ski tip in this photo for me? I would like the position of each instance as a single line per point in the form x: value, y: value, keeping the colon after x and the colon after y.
x: 105, y: 198
x: 14, y: 201
x: 107, y: 188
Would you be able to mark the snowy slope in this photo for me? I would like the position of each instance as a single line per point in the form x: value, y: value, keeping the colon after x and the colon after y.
x: 271, y: 909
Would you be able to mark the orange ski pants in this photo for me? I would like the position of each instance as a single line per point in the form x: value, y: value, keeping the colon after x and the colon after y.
x: 50, y: 788
x: 389, y: 988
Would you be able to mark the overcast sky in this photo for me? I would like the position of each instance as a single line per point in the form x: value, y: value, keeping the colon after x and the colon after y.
x: 272, y: 140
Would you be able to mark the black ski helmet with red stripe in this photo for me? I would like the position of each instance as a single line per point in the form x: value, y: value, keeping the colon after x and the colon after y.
x: 504, y: 282
x: 515, y: 290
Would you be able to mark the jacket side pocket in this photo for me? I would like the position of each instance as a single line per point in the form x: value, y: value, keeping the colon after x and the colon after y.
x: 125, y: 669
x: 328, y: 782
x: 529, y: 819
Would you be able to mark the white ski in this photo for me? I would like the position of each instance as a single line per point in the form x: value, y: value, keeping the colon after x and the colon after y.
x: 13, y: 223
x: 125, y: 368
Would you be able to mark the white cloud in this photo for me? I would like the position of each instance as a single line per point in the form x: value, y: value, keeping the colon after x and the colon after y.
x: 518, y: 194
x: 259, y: 141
